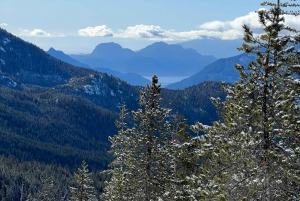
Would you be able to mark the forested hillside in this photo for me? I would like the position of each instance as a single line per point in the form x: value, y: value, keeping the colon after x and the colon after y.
x: 54, y: 115
x: 48, y: 125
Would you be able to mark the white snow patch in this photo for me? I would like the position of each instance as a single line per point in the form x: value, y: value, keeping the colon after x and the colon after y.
x: 235, y: 177
x: 97, y: 89
x: 244, y: 59
x: 5, y: 41
x: 119, y: 105
x: 112, y: 93
x: 88, y: 89
x: 297, y: 81
x: 289, y: 49
x: 223, y: 125
x: 10, y: 82
x: 92, y: 89
x: 2, y: 62
x: 1, y: 48
x: 230, y: 91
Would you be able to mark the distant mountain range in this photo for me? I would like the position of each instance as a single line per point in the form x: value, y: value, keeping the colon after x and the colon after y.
x: 170, y: 55
x: 66, y: 58
x: 131, y: 78
x: 216, y: 47
x: 159, y: 58
x: 220, y: 70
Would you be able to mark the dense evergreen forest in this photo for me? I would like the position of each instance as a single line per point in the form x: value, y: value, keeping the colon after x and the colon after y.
x: 70, y: 133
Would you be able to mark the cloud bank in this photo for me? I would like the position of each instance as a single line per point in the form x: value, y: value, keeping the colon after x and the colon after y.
x: 3, y: 24
x: 151, y: 32
x: 98, y: 31
x: 228, y: 30
x: 34, y: 33
x: 143, y: 31
x: 225, y: 30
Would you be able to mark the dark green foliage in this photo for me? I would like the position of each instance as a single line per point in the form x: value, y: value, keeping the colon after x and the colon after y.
x: 46, y: 125
x: 194, y: 102
x: 18, y: 179
x: 30, y: 181
x: 54, y: 128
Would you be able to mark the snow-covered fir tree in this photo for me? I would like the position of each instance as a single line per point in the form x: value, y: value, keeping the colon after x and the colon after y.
x: 47, y: 193
x: 85, y: 189
x: 144, y: 165
x: 253, y: 152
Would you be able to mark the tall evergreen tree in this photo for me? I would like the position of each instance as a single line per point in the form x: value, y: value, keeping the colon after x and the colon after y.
x: 47, y: 193
x: 253, y: 152
x: 85, y: 189
x: 143, y: 168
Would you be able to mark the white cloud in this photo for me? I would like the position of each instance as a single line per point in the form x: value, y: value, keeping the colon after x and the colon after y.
x: 214, y: 25
x: 251, y: 20
x: 292, y: 21
x: 98, y: 31
x: 34, y: 33
x: 225, y: 30
x: 3, y: 25
x: 144, y: 31
x: 152, y: 32
x: 232, y: 29
x: 198, y: 34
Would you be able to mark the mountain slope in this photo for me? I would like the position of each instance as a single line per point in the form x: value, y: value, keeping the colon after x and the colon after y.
x: 51, y: 127
x: 26, y: 63
x: 66, y: 58
x: 105, y: 55
x: 111, y: 51
x: 194, y: 102
x: 220, y: 70
x: 48, y: 124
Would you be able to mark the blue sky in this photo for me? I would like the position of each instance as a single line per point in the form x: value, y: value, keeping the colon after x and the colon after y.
x: 77, y: 26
